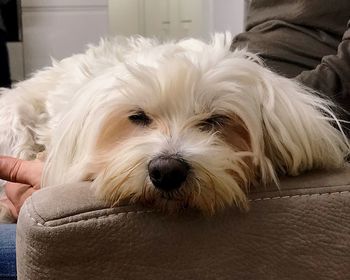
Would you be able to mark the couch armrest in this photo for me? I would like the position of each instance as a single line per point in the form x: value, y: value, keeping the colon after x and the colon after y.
x: 300, y: 232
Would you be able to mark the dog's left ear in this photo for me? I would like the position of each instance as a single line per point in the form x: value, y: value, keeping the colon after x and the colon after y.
x: 299, y: 130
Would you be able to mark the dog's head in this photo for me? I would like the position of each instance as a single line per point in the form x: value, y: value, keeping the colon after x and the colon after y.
x: 190, y: 124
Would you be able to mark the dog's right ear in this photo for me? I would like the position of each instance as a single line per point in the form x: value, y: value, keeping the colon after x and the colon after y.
x: 300, y: 130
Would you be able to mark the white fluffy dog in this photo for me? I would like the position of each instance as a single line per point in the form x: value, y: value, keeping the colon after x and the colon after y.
x: 173, y: 125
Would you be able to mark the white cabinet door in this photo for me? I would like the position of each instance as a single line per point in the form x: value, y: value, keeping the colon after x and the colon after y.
x: 15, y: 50
x: 174, y: 19
x: 59, y: 28
x: 191, y: 21
x: 126, y: 17
x: 228, y: 15
x: 169, y: 19
x: 158, y: 19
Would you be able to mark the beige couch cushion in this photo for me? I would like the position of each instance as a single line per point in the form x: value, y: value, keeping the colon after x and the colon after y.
x: 300, y: 232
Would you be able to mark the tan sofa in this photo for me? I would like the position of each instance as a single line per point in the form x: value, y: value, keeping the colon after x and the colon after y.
x: 300, y: 232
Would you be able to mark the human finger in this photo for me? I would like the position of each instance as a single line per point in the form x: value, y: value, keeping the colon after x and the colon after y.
x: 17, y: 193
x: 21, y: 171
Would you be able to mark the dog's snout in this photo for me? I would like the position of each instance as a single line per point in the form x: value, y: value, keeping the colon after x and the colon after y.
x: 168, y: 173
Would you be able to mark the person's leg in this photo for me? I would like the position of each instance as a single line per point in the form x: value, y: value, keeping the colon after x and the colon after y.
x: 5, y: 80
x: 8, y: 251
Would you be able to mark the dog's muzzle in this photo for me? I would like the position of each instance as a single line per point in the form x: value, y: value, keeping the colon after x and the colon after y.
x: 167, y: 173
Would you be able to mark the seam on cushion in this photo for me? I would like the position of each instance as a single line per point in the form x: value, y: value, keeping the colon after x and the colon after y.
x: 30, y: 217
x: 298, y: 196
x: 151, y: 211
x: 281, y: 188
x: 34, y: 209
x: 90, y: 219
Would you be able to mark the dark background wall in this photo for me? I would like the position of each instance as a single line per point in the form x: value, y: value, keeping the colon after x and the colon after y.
x: 11, y: 17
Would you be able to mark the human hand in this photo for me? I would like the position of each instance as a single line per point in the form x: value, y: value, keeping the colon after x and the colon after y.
x: 24, y: 178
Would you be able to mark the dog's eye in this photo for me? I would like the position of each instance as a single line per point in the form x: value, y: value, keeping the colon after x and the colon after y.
x: 140, y: 118
x: 215, y: 122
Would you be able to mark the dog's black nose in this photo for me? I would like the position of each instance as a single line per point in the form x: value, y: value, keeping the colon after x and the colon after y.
x: 168, y: 173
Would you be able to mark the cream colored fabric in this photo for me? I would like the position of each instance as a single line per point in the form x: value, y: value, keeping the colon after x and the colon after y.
x: 300, y: 232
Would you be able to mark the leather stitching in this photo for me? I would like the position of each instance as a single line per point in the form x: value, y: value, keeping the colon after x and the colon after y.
x: 151, y: 211
x: 89, y: 219
x: 35, y: 221
x: 298, y: 196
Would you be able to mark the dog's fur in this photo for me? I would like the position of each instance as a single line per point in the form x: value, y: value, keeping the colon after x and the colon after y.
x: 231, y: 119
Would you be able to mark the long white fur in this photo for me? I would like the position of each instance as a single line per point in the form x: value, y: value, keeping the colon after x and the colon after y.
x: 62, y: 108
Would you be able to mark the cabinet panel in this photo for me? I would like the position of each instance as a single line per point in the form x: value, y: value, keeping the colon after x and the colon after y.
x: 59, y: 31
x: 169, y: 19
x: 125, y: 17
x: 174, y: 19
x: 191, y: 18
x: 158, y: 19
x: 15, y: 50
